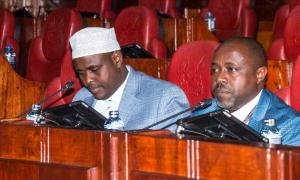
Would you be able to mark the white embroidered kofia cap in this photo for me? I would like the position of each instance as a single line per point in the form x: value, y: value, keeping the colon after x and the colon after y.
x: 93, y: 40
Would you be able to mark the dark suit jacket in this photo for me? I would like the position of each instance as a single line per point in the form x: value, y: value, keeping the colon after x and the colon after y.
x: 270, y: 107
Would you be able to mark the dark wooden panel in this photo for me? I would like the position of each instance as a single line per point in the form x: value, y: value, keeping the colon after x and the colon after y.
x: 118, y: 5
x: 76, y: 147
x: 152, y: 67
x: 266, y: 9
x: 183, y: 30
x: 15, y: 169
x: 137, y: 175
x: 279, y: 74
x: 192, y: 4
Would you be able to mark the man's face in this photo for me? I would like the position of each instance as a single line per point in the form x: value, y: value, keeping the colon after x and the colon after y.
x: 99, y: 73
x: 234, y: 78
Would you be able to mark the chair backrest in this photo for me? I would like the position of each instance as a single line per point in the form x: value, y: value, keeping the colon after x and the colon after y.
x: 190, y: 69
x: 101, y: 7
x: 139, y: 24
x: 46, y: 52
x: 295, y: 85
x: 6, y: 26
x: 165, y: 6
x: 280, y: 18
x: 287, y: 47
x: 233, y: 18
x: 67, y: 74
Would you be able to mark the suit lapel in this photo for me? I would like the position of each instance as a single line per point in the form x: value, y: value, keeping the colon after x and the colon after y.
x: 129, y: 98
x: 256, y: 121
x: 90, y: 100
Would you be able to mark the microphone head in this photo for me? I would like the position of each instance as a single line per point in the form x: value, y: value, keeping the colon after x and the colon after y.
x: 68, y: 85
x: 202, y: 105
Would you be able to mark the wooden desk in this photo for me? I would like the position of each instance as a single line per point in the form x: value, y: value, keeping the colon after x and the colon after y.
x: 153, y: 67
x: 183, y: 30
x: 37, y: 152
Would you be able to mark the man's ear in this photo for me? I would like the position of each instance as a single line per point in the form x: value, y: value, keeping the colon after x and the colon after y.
x: 117, y: 58
x: 261, y: 74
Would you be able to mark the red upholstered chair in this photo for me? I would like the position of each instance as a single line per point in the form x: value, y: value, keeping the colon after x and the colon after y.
x: 280, y: 18
x: 101, y: 7
x: 7, y: 28
x: 291, y: 93
x: 165, y: 6
x: 233, y: 18
x: 190, y: 69
x: 287, y: 47
x: 66, y: 74
x: 46, y: 52
x: 139, y: 24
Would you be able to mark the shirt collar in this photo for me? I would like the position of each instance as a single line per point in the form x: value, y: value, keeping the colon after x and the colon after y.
x: 245, y: 110
x: 116, y: 97
x: 112, y: 103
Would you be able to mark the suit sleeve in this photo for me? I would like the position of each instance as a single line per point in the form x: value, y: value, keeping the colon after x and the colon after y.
x: 173, y: 101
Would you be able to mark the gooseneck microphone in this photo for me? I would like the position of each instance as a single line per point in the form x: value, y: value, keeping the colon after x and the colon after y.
x: 201, y: 105
x: 67, y: 86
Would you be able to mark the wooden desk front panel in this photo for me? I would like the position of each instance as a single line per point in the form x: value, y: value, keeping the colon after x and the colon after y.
x: 210, y: 160
x: 49, y: 146
x: 21, y: 142
x: 15, y: 169
x: 121, y: 155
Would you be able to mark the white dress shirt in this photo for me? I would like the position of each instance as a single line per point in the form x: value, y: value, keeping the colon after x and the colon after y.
x: 112, y: 103
x: 243, y: 113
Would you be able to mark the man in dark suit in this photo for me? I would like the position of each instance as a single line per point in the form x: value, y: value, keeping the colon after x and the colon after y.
x: 238, y: 72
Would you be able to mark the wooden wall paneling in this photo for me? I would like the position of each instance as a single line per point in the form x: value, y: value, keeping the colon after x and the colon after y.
x: 16, y: 93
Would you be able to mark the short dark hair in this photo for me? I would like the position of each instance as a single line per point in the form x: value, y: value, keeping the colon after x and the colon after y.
x: 254, y: 49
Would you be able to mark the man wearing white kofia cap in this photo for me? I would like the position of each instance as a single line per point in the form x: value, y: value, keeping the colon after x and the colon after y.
x: 110, y: 85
